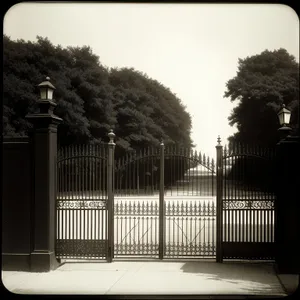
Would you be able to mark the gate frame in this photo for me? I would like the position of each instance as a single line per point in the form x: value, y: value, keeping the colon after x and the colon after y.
x: 269, y: 246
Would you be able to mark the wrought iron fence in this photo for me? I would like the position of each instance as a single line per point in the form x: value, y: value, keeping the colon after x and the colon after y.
x: 137, y: 173
x: 169, y: 203
x: 248, y: 220
x: 186, y: 173
x: 82, y: 171
x: 136, y: 228
x: 189, y: 229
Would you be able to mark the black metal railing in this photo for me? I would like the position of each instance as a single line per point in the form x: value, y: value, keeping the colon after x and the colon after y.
x: 189, y: 229
x: 186, y: 173
x: 165, y: 203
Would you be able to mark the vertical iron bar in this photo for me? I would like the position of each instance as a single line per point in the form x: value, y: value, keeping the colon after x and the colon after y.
x: 269, y: 225
x: 161, y: 203
x: 195, y: 229
x: 143, y: 225
x: 69, y: 210
x: 177, y: 162
x: 225, y: 196
x: 213, y: 232
x: 212, y: 178
x: 73, y: 212
x: 121, y: 230
x: 138, y: 176
x: 110, y: 198
x: 134, y: 187
x: 191, y: 235
x: 219, y: 148
x: 58, y: 198
x: 169, y: 227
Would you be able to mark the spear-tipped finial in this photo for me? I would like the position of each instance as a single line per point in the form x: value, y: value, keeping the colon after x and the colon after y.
x: 161, y: 142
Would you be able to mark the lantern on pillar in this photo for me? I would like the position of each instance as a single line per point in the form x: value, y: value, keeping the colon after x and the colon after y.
x: 284, y: 116
x: 46, y: 89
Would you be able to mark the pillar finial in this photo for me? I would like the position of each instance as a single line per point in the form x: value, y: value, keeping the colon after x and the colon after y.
x: 111, y: 136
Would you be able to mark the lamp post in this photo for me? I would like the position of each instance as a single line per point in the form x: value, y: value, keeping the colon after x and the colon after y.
x: 284, y: 116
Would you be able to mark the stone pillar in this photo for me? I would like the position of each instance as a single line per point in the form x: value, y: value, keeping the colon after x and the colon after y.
x: 44, y: 138
x: 287, y: 224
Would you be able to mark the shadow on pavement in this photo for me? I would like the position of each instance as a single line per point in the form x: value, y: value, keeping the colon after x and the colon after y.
x: 251, y: 277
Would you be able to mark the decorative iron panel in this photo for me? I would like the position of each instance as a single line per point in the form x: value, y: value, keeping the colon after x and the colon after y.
x: 82, y: 204
x: 189, y: 228
x: 81, y: 249
x: 136, y: 228
x: 248, y: 204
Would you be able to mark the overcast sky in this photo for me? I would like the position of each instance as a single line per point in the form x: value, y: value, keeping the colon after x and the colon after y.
x: 191, y: 48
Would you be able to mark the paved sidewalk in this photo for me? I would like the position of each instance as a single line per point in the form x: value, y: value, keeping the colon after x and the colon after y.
x: 149, y: 278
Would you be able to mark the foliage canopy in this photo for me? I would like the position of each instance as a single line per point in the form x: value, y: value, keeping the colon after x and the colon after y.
x: 262, y: 84
x: 90, y: 98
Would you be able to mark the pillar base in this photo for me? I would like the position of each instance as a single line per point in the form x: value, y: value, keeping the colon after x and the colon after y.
x: 15, y: 262
x: 43, y: 261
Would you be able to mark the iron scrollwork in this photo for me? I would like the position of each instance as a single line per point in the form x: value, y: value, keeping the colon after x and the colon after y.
x: 248, y: 204
x: 81, y: 204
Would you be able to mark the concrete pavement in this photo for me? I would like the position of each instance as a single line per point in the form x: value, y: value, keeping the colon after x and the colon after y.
x: 150, y: 278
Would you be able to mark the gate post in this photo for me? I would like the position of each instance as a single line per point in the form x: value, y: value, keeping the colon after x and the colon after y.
x: 110, y: 196
x: 219, y: 148
x: 42, y: 258
x: 161, y: 202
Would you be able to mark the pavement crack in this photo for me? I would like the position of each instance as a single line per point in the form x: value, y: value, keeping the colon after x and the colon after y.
x: 115, y: 283
x: 122, y: 277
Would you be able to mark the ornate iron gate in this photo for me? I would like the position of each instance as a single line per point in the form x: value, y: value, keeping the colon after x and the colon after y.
x: 82, y: 202
x: 245, y: 200
x: 165, y: 204
x: 83, y: 196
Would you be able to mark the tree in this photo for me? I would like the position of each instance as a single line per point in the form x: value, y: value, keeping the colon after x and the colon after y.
x: 262, y: 84
x: 90, y: 98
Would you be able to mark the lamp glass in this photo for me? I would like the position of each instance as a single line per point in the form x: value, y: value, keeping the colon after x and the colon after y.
x: 284, y: 117
x: 287, y: 117
x: 43, y: 92
x: 281, y: 118
x: 50, y: 94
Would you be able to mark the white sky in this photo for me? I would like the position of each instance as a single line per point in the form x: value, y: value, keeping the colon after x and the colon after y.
x: 191, y: 48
